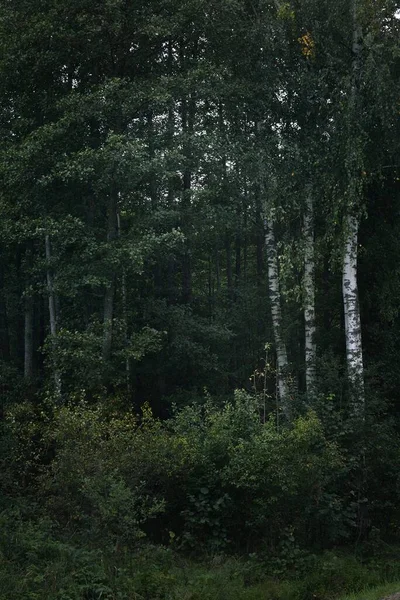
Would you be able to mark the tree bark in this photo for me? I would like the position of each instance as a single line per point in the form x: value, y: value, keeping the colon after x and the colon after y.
x: 228, y: 251
x: 108, y: 313
x: 28, y: 336
x: 238, y: 248
x: 187, y: 115
x: 354, y: 355
x: 28, y: 316
x: 52, y: 299
x: 352, y: 319
x: 124, y: 290
x: 217, y: 267
x: 309, y: 293
x: 52, y: 313
x: 188, y: 56
x: 276, y: 314
x: 245, y: 238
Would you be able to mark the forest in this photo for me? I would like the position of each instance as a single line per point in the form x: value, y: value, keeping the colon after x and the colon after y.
x: 199, y: 299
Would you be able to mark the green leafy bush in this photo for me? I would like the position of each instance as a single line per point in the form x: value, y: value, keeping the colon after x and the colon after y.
x: 212, y: 477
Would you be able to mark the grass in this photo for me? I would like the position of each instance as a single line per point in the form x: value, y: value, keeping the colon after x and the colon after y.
x: 35, y: 564
x: 59, y: 572
x: 375, y: 593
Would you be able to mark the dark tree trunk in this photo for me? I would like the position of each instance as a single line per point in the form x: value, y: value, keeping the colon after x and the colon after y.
x: 4, y: 335
x: 28, y: 336
x: 52, y: 315
x: 112, y: 234
x: 260, y: 237
x: 228, y: 251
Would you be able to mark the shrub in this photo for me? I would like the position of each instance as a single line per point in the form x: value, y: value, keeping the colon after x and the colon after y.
x: 212, y: 477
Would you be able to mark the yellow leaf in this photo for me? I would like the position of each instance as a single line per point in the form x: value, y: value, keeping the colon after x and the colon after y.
x: 307, y: 45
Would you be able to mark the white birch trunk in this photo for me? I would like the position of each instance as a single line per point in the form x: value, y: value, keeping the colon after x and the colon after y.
x: 352, y: 320
x: 276, y: 314
x: 309, y: 293
x: 52, y: 313
x: 354, y: 355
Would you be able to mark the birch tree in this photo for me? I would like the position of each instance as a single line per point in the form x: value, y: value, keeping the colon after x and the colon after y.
x: 309, y: 291
x: 352, y: 319
x: 276, y: 315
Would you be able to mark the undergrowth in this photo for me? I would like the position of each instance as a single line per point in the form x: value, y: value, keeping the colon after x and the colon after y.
x: 213, y: 504
x: 39, y: 564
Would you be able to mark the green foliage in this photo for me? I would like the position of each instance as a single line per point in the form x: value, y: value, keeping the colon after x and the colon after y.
x: 102, y: 479
x: 36, y: 563
x: 143, y: 140
x: 212, y: 477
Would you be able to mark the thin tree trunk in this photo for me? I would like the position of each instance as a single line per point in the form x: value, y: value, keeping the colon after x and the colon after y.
x: 125, y: 316
x: 188, y: 54
x: 52, y: 313
x: 28, y: 336
x: 228, y: 252
x: 210, y: 288
x: 153, y: 192
x: 260, y: 232
x: 28, y: 317
x: 245, y: 240
x: 309, y: 293
x: 170, y: 129
x: 52, y: 299
x: 187, y: 115
x: 276, y: 313
x: 217, y: 267
x: 107, y: 319
x: 4, y: 333
x: 108, y: 313
x: 238, y: 249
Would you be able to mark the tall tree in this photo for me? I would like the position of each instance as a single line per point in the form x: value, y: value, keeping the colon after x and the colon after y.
x: 352, y: 319
x: 309, y: 292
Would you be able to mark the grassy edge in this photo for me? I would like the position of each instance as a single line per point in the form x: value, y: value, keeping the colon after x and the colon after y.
x: 375, y: 593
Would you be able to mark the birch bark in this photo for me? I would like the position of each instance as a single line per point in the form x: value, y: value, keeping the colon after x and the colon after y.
x: 354, y: 356
x: 309, y: 292
x: 352, y: 318
x: 276, y: 313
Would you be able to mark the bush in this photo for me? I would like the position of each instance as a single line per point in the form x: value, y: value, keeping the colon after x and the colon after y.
x: 210, y: 478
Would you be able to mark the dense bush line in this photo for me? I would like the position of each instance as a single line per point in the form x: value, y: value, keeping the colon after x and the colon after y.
x: 213, y: 478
